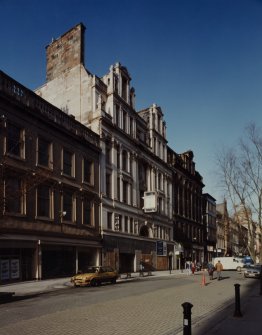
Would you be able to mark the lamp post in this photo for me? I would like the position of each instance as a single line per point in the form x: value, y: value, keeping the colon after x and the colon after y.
x: 170, y: 255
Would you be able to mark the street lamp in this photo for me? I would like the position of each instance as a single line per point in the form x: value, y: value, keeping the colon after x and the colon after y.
x: 170, y: 255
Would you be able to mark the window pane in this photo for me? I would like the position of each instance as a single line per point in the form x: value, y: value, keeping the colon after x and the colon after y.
x: 67, y: 163
x: 13, y: 140
x: 108, y: 185
x: 68, y: 206
x: 87, y: 219
x: 87, y: 171
x: 109, y: 220
x: 43, y: 152
x: 43, y: 201
x: 13, y: 195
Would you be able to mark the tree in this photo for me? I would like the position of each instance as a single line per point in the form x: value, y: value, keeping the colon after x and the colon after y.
x: 240, y: 171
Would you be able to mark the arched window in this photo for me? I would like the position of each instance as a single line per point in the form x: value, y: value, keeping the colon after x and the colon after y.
x: 144, y: 231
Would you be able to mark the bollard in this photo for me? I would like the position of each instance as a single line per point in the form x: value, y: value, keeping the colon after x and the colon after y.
x: 237, y: 301
x: 187, y: 318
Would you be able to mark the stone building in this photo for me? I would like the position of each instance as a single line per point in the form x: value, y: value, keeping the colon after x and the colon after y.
x: 136, y: 182
x: 49, y: 218
x: 187, y: 208
x: 210, y: 227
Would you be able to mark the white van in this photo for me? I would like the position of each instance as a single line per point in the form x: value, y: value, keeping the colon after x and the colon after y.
x: 230, y: 263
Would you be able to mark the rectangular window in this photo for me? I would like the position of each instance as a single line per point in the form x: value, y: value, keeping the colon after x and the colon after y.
x: 120, y: 222
x: 108, y: 185
x: 124, y: 121
x: 131, y: 225
x: 15, y: 195
x: 44, y: 154
x: 126, y: 224
x: 117, y: 115
x: 43, y: 201
x: 109, y: 220
x: 88, y: 171
x: 108, y: 154
x: 124, y: 160
x: 68, y: 206
x: 125, y: 192
x: 87, y: 212
x: 68, y: 163
x: 118, y: 188
x: 15, y: 141
x: 118, y: 157
x: 131, y: 127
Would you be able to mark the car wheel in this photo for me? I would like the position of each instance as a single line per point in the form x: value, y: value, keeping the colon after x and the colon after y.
x: 238, y: 269
x: 93, y: 282
x: 113, y: 281
x: 245, y: 276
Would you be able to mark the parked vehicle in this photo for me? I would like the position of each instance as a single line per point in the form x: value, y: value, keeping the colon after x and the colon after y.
x: 253, y: 271
x: 95, y: 276
x: 233, y: 263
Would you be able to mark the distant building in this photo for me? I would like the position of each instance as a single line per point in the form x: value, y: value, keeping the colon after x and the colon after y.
x: 187, y: 208
x: 210, y: 227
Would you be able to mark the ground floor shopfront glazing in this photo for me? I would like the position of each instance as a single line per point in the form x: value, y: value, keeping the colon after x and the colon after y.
x: 22, y: 260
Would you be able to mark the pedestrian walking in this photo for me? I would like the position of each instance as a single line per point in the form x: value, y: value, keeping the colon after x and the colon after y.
x: 219, y: 269
x: 210, y: 269
x: 188, y: 267
x: 141, y: 269
x: 193, y: 268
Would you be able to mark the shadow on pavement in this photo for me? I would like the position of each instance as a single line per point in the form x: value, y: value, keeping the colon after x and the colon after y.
x: 215, y: 323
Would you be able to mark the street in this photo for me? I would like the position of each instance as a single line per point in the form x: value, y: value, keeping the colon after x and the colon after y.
x: 146, y: 306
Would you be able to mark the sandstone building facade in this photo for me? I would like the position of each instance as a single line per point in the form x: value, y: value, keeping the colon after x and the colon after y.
x: 134, y: 154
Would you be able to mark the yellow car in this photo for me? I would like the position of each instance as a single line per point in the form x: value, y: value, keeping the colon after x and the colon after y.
x: 95, y: 276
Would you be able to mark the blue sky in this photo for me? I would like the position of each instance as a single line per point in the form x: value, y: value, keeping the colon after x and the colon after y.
x: 200, y: 60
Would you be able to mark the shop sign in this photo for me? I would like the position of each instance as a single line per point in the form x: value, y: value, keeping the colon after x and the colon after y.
x: 150, y: 202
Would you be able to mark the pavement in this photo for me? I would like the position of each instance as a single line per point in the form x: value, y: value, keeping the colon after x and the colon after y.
x: 232, y: 318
